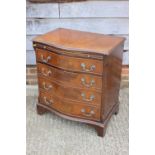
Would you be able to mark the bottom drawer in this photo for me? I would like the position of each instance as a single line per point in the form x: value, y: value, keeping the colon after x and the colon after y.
x: 68, y: 107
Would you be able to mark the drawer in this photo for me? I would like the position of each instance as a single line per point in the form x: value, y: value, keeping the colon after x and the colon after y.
x: 68, y: 107
x: 75, y: 94
x: 69, y: 63
x: 73, y: 79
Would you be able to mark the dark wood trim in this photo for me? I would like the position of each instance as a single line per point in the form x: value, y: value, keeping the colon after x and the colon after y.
x: 100, y: 131
x: 35, y: 65
x: 73, y: 101
x: 100, y: 126
x: 70, y: 53
x: 103, y: 88
x: 98, y: 89
x: 71, y: 71
x: 63, y: 85
x: 41, y: 110
x: 113, y: 110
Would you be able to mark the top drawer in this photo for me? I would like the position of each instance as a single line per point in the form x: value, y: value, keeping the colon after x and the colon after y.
x: 69, y: 63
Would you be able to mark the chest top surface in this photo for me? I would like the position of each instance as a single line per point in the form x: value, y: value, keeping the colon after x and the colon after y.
x: 68, y: 39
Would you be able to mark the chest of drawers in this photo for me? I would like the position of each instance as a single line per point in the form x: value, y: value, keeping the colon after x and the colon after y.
x: 79, y: 75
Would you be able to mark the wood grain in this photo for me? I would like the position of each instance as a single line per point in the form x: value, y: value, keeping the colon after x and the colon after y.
x: 68, y: 107
x: 71, y: 93
x: 29, y: 39
x: 69, y: 63
x: 74, y: 40
x: 69, y: 78
x: 30, y: 58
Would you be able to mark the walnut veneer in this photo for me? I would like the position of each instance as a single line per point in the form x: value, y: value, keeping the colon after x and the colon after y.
x: 79, y: 75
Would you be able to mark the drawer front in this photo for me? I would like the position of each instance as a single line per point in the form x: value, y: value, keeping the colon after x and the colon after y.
x: 68, y: 107
x: 75, y: 94
x: 79, y: 80
x: 79, y: 95
x: 70, y: 63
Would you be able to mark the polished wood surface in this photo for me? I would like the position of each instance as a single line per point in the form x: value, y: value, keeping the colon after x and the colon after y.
x: 77, y: 54
x: 80, y: 78
x: 80, y: 41
x: 68, y: 107
x: 113, y: 79
x: 81, y: 95
x: 70, y: 63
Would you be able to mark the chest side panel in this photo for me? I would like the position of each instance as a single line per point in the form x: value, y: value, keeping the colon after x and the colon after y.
x: 113, y: 68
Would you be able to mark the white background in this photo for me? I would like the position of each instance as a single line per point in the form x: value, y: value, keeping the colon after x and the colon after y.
x: 13, y: 77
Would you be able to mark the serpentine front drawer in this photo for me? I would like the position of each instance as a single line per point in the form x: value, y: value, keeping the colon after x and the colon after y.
x: 86, y: 96
x: 68, y: 107
x: 69, y: 63
x: 78, y: 80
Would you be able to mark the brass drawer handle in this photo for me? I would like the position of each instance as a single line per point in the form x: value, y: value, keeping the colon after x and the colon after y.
x: 88, y: 100
x: 47, y: 102
x: 90, y: 114
x: 48, y: 73
x: 47, y: 87
x: 83, y: 80
x: 92, y: 67
x: 45, y: 60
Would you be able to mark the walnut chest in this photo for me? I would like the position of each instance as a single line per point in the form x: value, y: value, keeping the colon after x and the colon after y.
x: 79, y: 75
